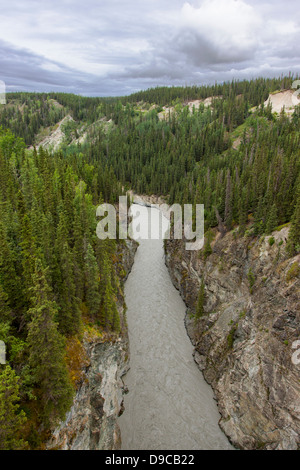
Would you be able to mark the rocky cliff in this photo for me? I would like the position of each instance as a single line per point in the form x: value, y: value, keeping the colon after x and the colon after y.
x: 91, y: 423
x: 245, y: 336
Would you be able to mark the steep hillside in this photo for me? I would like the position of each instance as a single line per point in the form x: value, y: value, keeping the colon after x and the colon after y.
x: 244, y: 332
x: 91, y: 423
x: 55, y: 138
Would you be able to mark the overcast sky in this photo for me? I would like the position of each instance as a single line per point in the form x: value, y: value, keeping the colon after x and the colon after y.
x: 116, y: 47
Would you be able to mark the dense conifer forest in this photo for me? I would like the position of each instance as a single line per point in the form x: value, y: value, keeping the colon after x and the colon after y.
x: 57, y: 279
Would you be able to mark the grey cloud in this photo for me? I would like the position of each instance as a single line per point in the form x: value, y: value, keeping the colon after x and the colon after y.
x: 155, y: 69
x: 200, y: 51
x: 191, y: 56
x: 140, y: 42
x: 21, y: 70
x: 20, y: 66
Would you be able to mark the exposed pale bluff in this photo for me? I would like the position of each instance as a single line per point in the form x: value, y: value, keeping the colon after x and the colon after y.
x: 243, y: 343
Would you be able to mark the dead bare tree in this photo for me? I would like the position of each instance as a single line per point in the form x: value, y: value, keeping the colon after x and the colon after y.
x: 221, y: 226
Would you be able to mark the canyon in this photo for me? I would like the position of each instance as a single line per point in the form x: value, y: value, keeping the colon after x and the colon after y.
x: 242, y: 344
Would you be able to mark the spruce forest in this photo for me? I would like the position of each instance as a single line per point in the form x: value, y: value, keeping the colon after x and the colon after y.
x: 58, y: 281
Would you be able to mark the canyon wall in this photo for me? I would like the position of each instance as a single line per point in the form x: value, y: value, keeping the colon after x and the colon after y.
x: 244, y: 338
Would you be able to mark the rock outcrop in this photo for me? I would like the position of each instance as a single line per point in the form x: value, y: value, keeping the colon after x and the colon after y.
x: 286, y: 99
x: 244, y: 341
x: 92, y: 423
x: 54, y: 140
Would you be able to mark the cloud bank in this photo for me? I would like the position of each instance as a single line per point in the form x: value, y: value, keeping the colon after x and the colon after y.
x: 116, y: 47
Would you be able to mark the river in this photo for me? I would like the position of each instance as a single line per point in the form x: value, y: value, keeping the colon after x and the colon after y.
x: 169, y: 405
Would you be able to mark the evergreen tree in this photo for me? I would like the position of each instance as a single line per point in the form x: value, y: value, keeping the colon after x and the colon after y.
x: 29, y: 253
x: 47, y: 352
x: 293, y: 244
x: 228, y: 203
x: 5, y: 314
x: 112, y: 319
x: 69, y: 316
x: 92, y: 279
x: 207, y: 249
x: 259, y: 220
x: 272, y: 221
x: 9, y: 278
x: 12, y: 418
x: 243, y: 214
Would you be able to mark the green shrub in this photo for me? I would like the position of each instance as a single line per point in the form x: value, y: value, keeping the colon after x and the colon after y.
x: 251, y: 279
x: 293, y: 272
x: 271, y: 241
x: 230, y: 337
